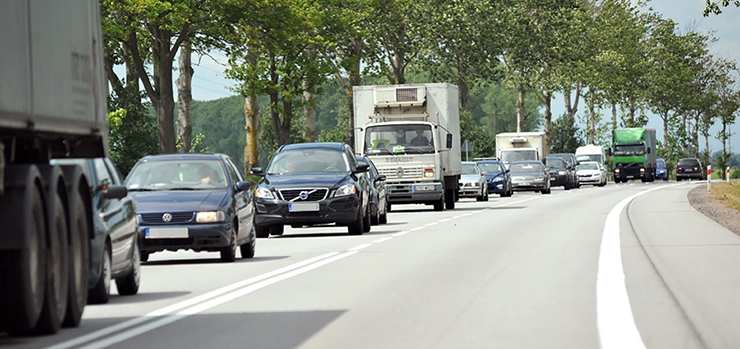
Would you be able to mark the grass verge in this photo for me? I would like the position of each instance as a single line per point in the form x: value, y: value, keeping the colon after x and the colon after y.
x: 728, y: 193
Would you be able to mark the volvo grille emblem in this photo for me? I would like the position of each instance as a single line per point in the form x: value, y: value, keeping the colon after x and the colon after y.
x: 399, y: 172
x: 166, y: 217
x: 303, y: 195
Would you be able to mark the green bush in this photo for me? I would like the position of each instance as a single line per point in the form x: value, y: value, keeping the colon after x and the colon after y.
x: 734, y: 173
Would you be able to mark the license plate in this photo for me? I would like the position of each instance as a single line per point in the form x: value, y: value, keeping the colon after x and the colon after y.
x: 166, y: 233
x: 423, y: 187
x: 524, y: 183
x: 303, y: 207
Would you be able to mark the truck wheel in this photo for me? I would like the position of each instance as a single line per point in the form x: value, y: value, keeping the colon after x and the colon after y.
x: 145, y: 256
x: 100, y: 293
x: 356, y: 227
x: 23, y: 272
x: 57, y: 279
x: 129, y: 284
x: 439, y: 205
x: 450, y: 196
x: 383, y: 219
x: 79, y: 245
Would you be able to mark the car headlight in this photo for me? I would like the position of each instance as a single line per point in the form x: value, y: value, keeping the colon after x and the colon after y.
x: 616, y: 170
x: 347, y: 189
x: 210, y: 217
x: 498, y: 179
x: 428, y: 173
x: 539, y: 178
x: 263, y: 193
x: 561, y: 173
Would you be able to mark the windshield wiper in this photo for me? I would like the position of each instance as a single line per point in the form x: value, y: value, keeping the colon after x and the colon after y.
x: 182, y: 188
x: 140, y: 189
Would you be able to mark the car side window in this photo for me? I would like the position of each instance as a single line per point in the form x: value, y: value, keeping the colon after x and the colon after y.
x: 233, y: 173
x: 114, y: 172
x: 101, y: 170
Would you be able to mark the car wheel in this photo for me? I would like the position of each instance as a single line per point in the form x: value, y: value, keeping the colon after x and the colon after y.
x: 383, y: 219
x: 129, y: 285
x: 247, y: 249
x: 356, y: 227
x: 262, y: 232
x: 145, y: 256
x: 277, y: 229
x: 228, y: 253
x: 366, y: 221
x: 388, y: 208
x: 100, y: 293
x: 375, y: 219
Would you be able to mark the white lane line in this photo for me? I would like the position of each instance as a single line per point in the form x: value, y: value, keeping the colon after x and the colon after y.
x: 382, y: 240
x: 184, y: 304
x: 445, y: 220
x: 401, y: 233
x: 615, y: 321
x: 417, y: 228
x: 213, y: 303
x: 431, y: 224
x: 357, y: 248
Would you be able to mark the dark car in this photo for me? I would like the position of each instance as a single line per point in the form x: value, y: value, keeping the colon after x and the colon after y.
x: 114, y: 248
x: 573, y: 163
x: 689, y: 168
x: 661, y: 169
x: 530, y: 176
x: 198, y: 202
x: 378, y: 193
x: 561, y: 172
x: 312, y: 184
x: 499, y: 180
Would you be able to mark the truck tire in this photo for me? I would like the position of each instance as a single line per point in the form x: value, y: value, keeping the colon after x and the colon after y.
x: 450, y: 199
x: 23, y: 272
x: 79, y: 244
x: 57, y: 278
x: 129, y: 284
x: 439, y: 205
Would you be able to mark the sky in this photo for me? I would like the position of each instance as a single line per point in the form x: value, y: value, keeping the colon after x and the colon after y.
x: 209, y: 82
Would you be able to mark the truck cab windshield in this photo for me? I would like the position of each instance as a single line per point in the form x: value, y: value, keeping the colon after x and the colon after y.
x: 399, y: 139
x: 627, y: 150
x: 511, y: 155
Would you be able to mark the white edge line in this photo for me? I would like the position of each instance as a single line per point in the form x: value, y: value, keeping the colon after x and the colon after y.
x: 382, y: 240
x: 184, y: 304
x: 401, y: 233
x: 213, y: 303
x: 357, y: 248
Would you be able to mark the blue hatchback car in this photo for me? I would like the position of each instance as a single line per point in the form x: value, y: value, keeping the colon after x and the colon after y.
x: 661, y: 169
x: 499, y: 181
x: 199, y: 202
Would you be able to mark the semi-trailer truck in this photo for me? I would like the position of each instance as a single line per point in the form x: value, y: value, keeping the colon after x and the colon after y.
x: 634, y: 154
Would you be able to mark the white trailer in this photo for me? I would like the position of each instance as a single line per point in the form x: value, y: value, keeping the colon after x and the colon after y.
x: 591, y: 152
x: 52, y: 105
x: 412, y: 135
x: 518, y: 146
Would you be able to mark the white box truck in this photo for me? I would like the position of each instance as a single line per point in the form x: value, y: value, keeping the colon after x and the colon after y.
x: 591, y: 152
x: 52, y: 105
x: 519, y: 146
x: 412, y: 135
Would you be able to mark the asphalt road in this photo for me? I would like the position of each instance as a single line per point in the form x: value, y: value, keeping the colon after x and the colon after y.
x: 625, y: 266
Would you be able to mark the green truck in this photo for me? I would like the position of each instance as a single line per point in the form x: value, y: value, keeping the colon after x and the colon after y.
x: 634, y: 154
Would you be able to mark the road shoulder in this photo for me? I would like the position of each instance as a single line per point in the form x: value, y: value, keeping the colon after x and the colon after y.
x: 700, y: 200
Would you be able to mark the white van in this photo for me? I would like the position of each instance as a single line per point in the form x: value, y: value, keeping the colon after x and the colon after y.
x: 591, y: 153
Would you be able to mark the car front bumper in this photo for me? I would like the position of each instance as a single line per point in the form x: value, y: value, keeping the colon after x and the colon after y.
x: 200, y: 237
x: 342, y: 210
x: 528, y: 186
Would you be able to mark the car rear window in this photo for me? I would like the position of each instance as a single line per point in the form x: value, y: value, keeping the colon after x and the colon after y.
x: 688, y: 162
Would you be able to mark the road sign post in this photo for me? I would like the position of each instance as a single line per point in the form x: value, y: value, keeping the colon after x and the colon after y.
x: 727, y: 174
x: 709, y: 177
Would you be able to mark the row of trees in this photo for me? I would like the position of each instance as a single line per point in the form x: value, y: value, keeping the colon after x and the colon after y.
x: 610, y: 54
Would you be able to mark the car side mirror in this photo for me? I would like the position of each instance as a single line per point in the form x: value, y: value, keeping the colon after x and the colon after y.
x: 257, y: 171
x: 381, y: 178
x: 507, y: 171
x: 112, y: 191
x: 242, y: 186
x: 648, y: 150
x: 362, y: 168
x: 483, y: 174
x: 449, y: 141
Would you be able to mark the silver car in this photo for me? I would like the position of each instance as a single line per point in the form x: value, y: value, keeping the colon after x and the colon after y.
x: 591, y: 172
x: 473, y: 183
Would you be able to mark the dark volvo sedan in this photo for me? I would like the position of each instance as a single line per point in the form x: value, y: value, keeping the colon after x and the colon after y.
x: 312, y: 184
x: 199, y: 202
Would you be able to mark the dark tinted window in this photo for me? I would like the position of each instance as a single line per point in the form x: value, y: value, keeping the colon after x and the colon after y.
x: 104, y: 177
x: 689, y: 162
x: 526, y: 167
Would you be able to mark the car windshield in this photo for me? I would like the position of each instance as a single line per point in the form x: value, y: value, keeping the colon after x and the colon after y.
x: 636, y: 149
x: 526, y: 167
x: 469, y: 169
x: 399, y: 139
x: 490, y: 168
x: 512, y: 155
x: 661, y: 164
x: 589, y: 157
x: 588, y: 166
x: 308, y: 160
x: 177, y: 175
x: 555, y: 163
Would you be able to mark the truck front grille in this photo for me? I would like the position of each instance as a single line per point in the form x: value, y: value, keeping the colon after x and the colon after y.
x: 402, y: 172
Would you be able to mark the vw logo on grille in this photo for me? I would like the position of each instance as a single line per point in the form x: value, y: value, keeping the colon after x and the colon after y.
x: 166, y: 217
x: 303, y: 195
x: 399, y: 172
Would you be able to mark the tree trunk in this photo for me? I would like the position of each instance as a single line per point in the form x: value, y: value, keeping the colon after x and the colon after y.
x: 355, y: 79
x: 184, y: 99
x: 165, y: 106
x: 520, y: 108
x: 495, y: 118
x: 665, y: 132
x: 614, y: 116
x: 684, y: 116
x: 309, y: 108
x: 251, y: 116
x: 285, y: 126
x: 462, y: 86
x: 548, y: 122
x: 572, y: 110
x: 696, y: 135
x: 592, y: 117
